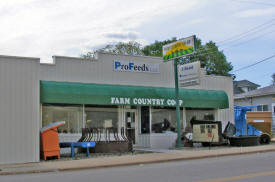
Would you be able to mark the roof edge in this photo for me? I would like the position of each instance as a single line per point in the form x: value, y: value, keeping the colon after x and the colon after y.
x: 109, y: 53
x: 20, y: 57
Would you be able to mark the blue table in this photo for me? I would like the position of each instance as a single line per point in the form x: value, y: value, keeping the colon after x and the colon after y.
x: 72, y: 145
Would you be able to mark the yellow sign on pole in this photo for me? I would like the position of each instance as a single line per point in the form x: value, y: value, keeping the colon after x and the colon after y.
x: 179, y: 48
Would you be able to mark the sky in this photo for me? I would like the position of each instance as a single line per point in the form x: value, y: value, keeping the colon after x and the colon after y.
x: 243, y: 29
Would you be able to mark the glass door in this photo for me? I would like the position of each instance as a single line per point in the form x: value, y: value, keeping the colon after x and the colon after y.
x: 130, y: 124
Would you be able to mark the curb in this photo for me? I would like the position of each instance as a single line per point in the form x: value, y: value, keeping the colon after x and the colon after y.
x: 164, y: 160
x: 27, y: 172
x: 133, y: 163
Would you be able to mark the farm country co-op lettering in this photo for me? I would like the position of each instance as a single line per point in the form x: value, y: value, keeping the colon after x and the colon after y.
x: 144, y: 101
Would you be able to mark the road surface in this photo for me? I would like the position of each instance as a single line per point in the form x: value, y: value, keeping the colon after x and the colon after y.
x: 242, y: 168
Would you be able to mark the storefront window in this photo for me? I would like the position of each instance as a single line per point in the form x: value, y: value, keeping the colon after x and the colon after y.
x: 164, y: 119
x: 101, y: 116
x: 145, y: 120
x: 71, y: 114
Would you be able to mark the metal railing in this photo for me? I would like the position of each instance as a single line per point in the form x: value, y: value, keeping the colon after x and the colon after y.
x: 105, y: 135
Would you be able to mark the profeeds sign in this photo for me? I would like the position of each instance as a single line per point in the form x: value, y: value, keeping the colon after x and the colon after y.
x: 179, y: 48
x: 189, y: 74
x: 134, y: 66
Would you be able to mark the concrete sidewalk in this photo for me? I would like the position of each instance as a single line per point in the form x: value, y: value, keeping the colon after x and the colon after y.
x: 124, y: 160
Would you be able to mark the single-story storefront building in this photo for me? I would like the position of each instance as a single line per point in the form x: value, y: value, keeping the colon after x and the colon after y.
x: 133, y: 92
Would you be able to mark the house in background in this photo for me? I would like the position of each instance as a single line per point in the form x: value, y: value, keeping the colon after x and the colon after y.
x: 244, y: 86
x: 263, y: 97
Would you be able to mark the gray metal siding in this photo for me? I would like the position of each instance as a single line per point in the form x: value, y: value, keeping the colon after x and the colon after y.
x: 19, y: 110
x: 101, y: 71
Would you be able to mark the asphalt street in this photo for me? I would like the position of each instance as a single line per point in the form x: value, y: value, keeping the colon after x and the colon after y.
x: 242, y: 168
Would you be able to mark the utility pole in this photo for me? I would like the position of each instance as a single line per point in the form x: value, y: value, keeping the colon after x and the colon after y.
x: 174, y: 51
x: 177, y: 103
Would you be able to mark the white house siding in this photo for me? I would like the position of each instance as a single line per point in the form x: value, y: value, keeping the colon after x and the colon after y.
x: 19, y: 109
x: 261, y: 100
x: 243, y: 102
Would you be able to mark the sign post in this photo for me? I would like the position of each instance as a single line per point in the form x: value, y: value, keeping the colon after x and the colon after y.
x: 174, y: 51
x: 177, y: 103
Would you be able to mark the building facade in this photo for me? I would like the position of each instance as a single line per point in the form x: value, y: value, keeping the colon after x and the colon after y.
x: 130, y: 92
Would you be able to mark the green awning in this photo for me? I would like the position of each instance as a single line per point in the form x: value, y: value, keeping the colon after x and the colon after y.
x: 101, y: 94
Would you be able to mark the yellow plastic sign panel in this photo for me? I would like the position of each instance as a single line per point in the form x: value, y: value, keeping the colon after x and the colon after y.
x: 179, y: 48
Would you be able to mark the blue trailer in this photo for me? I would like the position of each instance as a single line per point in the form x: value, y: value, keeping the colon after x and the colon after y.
x: 244, y: 129
x: 240, y: 121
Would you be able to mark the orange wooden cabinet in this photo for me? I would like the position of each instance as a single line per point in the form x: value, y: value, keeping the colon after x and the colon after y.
x: 49, y: 140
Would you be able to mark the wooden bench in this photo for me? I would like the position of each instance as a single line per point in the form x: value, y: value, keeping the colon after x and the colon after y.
x: 72, y: 145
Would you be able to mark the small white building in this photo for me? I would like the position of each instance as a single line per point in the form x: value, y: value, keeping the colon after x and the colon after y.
x: 133, y: 92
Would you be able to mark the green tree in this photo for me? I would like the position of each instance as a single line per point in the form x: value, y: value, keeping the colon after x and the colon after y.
x: 213, y: 60
x: 88, y: 55
x: 128, y: 48
x: 155, y: 49
x: 273, y: 79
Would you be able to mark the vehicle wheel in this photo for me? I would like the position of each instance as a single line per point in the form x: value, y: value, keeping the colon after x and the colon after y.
x: 264, y: 139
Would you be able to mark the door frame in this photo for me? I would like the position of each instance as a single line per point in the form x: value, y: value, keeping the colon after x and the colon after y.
x: 124, y: 111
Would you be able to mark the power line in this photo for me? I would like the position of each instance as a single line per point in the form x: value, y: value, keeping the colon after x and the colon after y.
x: 253, y: 29
x: 260, y: 76
x: 249, y: 34
x: 255, y: 2
x: 239, y: 36
x: 205, y: 52
x: 245, y: 67
x: 254, y: 38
